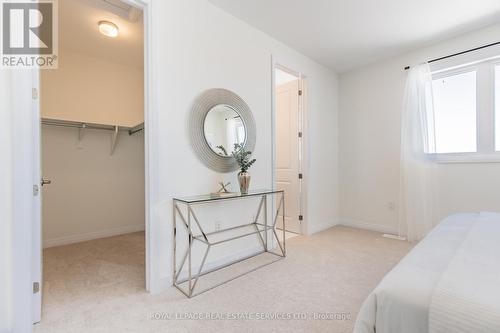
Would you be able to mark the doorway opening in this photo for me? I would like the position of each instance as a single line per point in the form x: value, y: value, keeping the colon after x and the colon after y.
x: 93, y: 156
x: 289, y: 135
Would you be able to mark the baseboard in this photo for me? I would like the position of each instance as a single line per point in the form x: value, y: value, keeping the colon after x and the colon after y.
x: 320, y: 228
x: 65, y: 240
x: 368, y: 226
x: 161, y: 285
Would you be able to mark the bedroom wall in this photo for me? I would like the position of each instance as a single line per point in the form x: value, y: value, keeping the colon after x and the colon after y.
x: 197, y: 46
x: 93, y: 194
x: 370, y: 106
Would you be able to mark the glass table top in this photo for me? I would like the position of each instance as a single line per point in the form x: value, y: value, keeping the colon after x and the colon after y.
x: 225, y: 196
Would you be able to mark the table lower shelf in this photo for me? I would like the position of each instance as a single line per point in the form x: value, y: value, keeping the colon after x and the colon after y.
x: 230, y: 272
x: 211, y: 237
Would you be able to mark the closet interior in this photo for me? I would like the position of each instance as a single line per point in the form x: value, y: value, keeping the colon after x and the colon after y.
x: 92, y: 109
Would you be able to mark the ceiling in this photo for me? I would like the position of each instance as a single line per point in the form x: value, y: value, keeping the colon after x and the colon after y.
x: 78, y: 30
x: 345, y: 34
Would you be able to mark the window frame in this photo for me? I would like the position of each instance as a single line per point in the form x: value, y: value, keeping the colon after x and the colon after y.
x: 485, y: 114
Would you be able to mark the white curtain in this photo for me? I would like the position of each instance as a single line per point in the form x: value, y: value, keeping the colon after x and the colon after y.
x: 417, y: 186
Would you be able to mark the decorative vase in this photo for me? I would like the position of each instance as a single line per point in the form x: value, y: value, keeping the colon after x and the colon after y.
x: 244, y: 180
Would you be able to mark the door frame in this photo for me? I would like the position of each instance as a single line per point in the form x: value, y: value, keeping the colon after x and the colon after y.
x: 32, y: 142
x: 303, y: 157
x: 150, y: 181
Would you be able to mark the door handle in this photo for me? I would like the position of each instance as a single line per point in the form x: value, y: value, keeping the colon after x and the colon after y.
x: 45, y: 182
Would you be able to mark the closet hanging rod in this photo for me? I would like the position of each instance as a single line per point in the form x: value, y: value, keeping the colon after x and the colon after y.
x: 83, y: 125
x: 459, y: 53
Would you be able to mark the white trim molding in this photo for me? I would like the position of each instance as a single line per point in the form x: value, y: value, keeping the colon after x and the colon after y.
x: 319, y: 227
x: 151, y: 154
x: 466, y: 158
x: 369, y: 226
x: 303, y: 142
x: 65, y: 240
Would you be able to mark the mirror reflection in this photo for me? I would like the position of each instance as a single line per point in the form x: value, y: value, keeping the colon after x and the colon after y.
x: 223, y: 129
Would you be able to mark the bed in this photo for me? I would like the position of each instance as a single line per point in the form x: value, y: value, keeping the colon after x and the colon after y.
x: 450, y: 282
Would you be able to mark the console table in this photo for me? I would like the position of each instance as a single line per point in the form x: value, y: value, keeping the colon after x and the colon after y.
x: 199, y: 234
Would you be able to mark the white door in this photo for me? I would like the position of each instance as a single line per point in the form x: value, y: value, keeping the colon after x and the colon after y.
x: 287, y: 152
x: 26, y: 232
x: 37, y: 202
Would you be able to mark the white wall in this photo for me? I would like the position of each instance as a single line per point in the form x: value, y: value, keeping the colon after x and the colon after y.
x: 197, y: 46
x: 93, y: 90
x: 93, y: 193
x: 370, y: 106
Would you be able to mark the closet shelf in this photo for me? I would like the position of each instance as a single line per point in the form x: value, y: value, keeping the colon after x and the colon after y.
x: 82, y: 126
x: 136, y: 129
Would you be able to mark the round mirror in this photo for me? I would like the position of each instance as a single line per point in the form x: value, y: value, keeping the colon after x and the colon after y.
x: 224, y: 128
x: 220, y: 118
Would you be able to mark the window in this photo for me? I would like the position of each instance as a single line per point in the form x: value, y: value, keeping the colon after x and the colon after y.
x: 465, y: 123
x: 455, y: 113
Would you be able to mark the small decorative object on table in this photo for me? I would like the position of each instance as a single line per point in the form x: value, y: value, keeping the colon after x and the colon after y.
x: 222, y: 191
x: 223, y: 188
x: 242, y: 157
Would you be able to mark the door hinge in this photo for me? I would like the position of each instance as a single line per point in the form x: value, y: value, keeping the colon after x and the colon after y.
x: 300, y: 134
x: 300, y: 92
x: 34, y: 93
x: 301, y: 218
x: 36, y: 190
x: 36, y: 287
x: 300, y: 176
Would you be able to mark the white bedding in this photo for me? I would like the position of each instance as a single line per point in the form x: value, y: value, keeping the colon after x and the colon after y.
x: 402, y: 302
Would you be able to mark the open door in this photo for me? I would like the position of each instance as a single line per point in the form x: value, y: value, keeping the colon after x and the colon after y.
x: 25, y: 244
x: 37, y: 201
x: 287, y: 151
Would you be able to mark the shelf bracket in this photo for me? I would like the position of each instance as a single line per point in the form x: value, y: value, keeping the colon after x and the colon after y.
x: 81, y: 132
x: 114, y: 139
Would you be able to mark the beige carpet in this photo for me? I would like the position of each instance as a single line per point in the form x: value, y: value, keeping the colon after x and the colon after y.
x: 97, y: 286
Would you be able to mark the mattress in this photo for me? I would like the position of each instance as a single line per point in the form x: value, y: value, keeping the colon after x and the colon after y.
x: 403, y: 299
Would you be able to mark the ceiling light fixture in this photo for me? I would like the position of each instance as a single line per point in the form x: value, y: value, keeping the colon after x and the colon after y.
x: 108, y: 29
